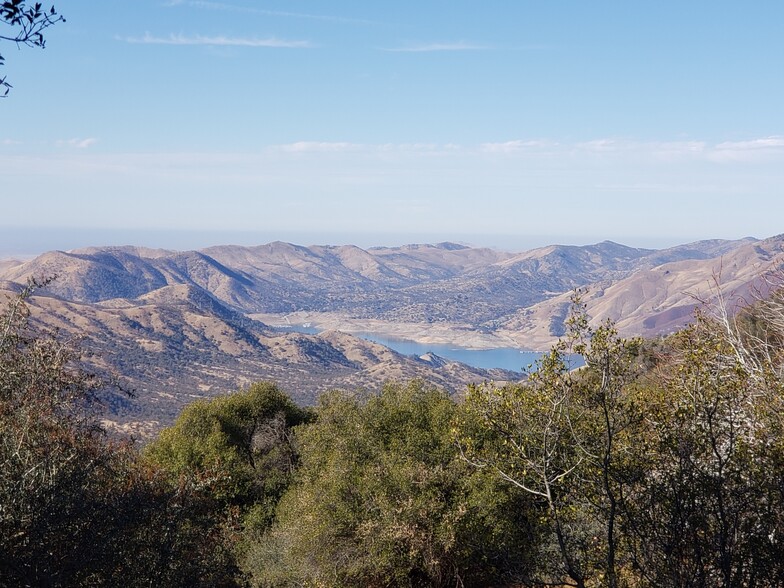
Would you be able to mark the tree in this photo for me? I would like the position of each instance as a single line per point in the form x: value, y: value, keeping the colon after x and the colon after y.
x: 665, y: 473
x: 709, y: 509
x: 241, y: 443
x: 24, y: 25
x: 46, y: 442
x: 79, y: 509
x: 564, y: 437
x: 383, y: 499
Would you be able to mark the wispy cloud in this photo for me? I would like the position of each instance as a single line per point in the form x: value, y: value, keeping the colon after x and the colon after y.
x: 760, y: 150
x: 429, y: 47
x: 663, y: 151
x: 514, y: 146
x: 78, y: 143
x: 607, y: 149
x: 764, y: 143
x: 219, y: 41
x: 320, y: 147
x: 763, y: 149
x: 605, y: 145
x: 227, y: 7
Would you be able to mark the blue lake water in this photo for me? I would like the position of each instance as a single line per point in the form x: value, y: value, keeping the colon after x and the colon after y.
x: 506, y: 357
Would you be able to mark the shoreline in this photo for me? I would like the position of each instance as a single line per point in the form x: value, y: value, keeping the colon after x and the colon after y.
x: 460, y: 335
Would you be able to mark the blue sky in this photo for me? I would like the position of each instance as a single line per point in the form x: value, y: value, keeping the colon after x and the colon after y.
x: 186, y: 123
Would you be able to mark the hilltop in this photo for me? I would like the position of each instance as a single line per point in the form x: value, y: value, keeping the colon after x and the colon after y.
x: 181, y: 325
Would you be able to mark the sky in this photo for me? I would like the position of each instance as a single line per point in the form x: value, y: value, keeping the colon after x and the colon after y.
x: 511, y: 124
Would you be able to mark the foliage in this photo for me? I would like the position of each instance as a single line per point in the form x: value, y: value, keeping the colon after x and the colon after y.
x: 648, y: 473
x: 382, y: 499
x: 655, y: 464
x: 241, y: 443
x: 709, y: 512
x: 75, y: 507
x: 48, y: 449
x: 562, y: 437
x: 25, y: 25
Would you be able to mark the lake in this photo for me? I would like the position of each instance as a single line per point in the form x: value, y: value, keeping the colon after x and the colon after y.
x: 506, y: 358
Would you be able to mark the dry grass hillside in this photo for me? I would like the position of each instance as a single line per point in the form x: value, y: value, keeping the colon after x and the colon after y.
x: 660, y: 299
x: 184, y: 325
x: 177, y: 344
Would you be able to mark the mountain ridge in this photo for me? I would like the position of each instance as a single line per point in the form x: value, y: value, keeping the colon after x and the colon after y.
x: 429, y: 284
x: 178, y: 344
x: 181, y: 325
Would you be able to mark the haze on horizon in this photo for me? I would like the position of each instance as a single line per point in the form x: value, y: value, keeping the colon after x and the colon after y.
x: 184, y: 124
x: 24, y: 243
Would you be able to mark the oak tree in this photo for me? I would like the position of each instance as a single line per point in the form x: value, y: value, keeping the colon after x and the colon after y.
x: 24, y: 23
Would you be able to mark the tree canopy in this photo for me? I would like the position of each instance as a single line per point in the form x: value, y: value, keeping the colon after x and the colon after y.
x: 655, y: 464
x: 76, y: 507
x: 668, y: 476
x: 382, y: 498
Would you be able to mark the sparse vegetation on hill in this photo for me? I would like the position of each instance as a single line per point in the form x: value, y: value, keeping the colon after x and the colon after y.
x: 469, y: 289
x: 80, y: 509
x: 178, y: 344
x: 186, y: 325
x: 657, y: 464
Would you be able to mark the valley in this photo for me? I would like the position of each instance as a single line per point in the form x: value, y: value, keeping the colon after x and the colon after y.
x: 178, y: 326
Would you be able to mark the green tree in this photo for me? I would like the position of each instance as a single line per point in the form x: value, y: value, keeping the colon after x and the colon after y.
x: 242, y: 443
x: 78, y: 509
x: 665, y: 473
x: 382, y: 499
x: 24, y: 24
x: 565, y: 437
x: 709, y: 510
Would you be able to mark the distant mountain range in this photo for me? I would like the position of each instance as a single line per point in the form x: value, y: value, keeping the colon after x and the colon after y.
x: 184, y: 325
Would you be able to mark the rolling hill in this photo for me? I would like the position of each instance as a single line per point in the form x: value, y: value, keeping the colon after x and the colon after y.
x: 181, y: 325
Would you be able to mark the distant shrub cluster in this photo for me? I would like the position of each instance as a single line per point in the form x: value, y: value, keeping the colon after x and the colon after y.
x: 656, y: 464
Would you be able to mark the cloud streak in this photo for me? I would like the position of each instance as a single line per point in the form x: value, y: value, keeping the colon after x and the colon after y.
x: 515, y: 146
x: 320, y: 147
x: 764, y: 143
x: 217, y: 41
x: 752, y: 151
x: 366, y: 148
x: 762, y: 150
x: 226, y: 7
x: 78, y: 143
